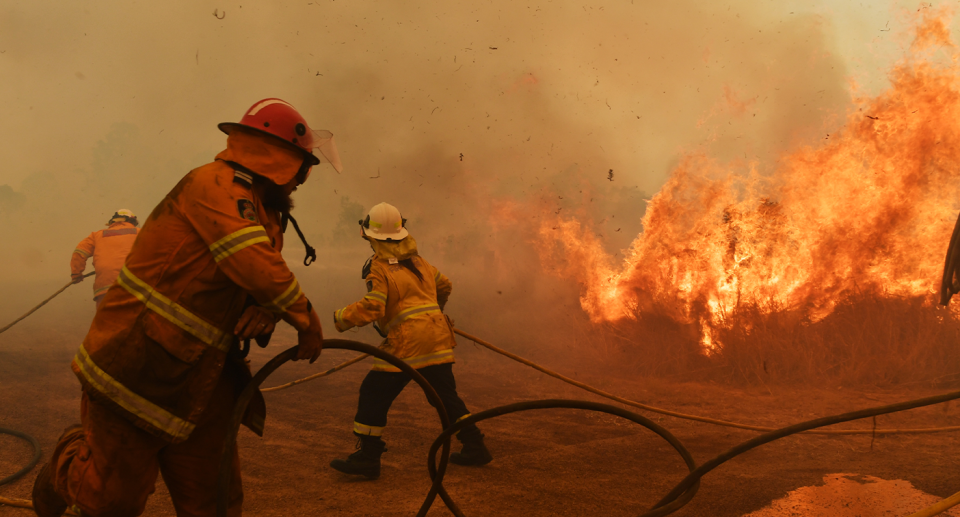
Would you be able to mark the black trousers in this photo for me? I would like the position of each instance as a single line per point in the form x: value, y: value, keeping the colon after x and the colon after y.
x: 380, y: 389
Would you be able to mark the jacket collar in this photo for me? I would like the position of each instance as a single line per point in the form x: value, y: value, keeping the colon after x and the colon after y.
x: 261, y: 156
x: 400, y: 250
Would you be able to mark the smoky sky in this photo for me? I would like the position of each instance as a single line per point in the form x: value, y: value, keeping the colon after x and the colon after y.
x: 445, y: 109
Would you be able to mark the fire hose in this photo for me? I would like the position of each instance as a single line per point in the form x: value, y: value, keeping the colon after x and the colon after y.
x: 41, y: 304
x: 33, y: 461
x: 226, y: 458
x: 679, y: 496
x: 625, y: 401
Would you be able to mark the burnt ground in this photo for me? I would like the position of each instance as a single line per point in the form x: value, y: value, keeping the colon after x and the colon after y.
x: 550, y: 462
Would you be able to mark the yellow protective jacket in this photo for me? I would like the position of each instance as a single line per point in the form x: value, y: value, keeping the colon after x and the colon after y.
x: 406, y: 309
x: 109, y: 249
x: 161, y: 336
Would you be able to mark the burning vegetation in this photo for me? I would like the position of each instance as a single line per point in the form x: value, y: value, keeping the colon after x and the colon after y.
x: 824, y: 265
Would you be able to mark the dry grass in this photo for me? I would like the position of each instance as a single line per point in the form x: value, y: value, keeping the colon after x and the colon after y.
x: 866, y: 340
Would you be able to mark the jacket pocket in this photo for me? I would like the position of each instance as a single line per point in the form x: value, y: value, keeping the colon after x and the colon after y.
x: 176, y: 341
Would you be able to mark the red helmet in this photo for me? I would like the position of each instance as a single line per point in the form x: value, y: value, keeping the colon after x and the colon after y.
x: 279, y: 119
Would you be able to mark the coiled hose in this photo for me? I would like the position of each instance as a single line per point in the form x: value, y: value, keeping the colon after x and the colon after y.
x: 33, y: 461
x: 679, y: 496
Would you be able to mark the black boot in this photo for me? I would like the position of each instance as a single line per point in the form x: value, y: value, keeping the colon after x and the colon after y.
x: 474, y: 451
x: 366, y: 461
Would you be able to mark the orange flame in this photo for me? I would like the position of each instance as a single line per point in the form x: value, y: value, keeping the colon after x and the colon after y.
x: 869, y: 210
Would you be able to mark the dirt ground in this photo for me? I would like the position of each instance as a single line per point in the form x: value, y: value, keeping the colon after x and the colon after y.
x: 551, y: 462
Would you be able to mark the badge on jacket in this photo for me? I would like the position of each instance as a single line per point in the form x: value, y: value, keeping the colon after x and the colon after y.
x: 247, y: 210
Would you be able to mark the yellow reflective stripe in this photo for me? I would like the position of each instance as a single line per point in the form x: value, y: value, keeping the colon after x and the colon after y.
x: 237, y: 241
x: 464, y: 416
x: 420, y: 361
x: 83, y: 253
x: 428, y: 359
x: 436, y: 278
x: 289, y: 297
x: 98, y: 292
x: 173, y: 312
x: 377, y: 295
x: 142, y: 408
x: 412, y: 311
x: 367, y: 430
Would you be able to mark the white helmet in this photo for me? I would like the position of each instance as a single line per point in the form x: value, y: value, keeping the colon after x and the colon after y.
x: 125, y: 215
x: 384, y: 223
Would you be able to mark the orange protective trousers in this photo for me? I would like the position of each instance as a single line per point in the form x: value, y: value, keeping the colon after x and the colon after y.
x: 111, y: 468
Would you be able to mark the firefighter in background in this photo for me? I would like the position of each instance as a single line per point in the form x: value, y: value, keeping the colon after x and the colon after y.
x: 160, y: 367
x: 405, y: 299
x: 109, y: 249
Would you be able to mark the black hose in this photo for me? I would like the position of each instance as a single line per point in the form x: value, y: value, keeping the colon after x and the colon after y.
x: 694, y: 477
x: 226, y: 458
x: 33, y: 462
x: 567, y: 404
x: 679, y: 496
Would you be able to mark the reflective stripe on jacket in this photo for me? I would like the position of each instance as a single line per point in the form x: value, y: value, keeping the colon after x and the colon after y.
x: 407, y: 310
x: 159, y: 340
x: 109, y: 249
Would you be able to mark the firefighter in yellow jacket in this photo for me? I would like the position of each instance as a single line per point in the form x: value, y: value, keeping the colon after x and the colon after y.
x: 404, y: 301
x: 160, y: 367
x: 109, y: 249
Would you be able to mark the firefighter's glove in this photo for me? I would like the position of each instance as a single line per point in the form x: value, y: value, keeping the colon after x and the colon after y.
x: 255, y: 321
x: 77, y: 278
x: 310, y: 340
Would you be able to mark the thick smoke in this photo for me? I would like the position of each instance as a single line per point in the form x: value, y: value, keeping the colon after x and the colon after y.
x: 471, y: 119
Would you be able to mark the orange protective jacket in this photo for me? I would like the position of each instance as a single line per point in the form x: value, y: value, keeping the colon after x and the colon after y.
x: 160, y: 338
x: 109, y: 248
x: 406, y: 309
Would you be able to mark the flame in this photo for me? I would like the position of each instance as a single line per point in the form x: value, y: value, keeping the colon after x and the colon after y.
x: 870, y: 209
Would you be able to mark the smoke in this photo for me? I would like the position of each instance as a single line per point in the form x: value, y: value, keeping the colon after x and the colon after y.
x: 472, y: 119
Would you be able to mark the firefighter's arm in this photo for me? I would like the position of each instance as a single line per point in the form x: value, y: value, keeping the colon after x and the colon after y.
x: 444, y: 288
x: 243, y: 251
x: 78, y: 261
x: 369, y: 309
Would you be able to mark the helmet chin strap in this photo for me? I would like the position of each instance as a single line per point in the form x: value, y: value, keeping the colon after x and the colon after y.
x: 311, y: 252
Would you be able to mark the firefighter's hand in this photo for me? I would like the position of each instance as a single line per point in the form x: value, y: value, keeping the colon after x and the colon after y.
x: 77, y: 278
x: 310, y: 340
x: 255, y: 321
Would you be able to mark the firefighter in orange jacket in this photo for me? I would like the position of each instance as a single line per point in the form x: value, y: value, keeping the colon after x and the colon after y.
x: 405, y: 299
x: 160, y: 367
x: 109, y: 249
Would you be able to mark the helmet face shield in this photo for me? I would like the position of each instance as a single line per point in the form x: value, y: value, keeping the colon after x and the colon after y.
x: 322, y: 140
